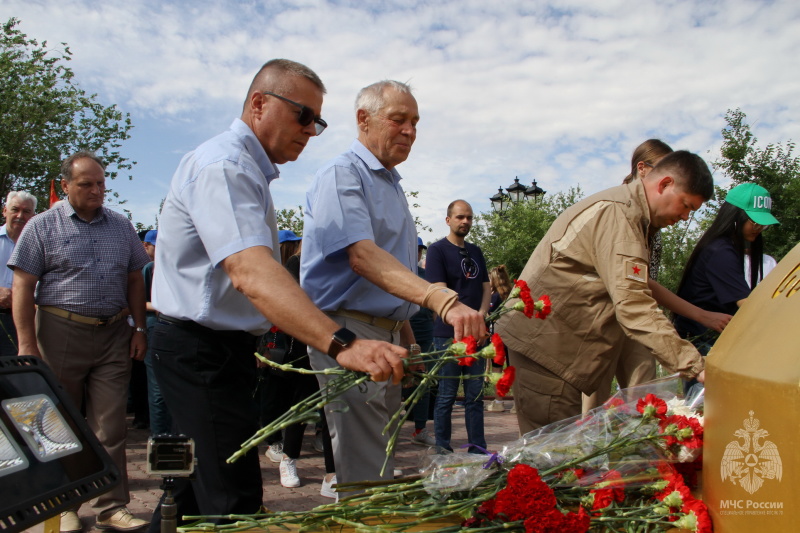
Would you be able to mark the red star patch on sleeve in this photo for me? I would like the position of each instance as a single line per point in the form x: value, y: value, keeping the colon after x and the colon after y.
x: 635, y: 270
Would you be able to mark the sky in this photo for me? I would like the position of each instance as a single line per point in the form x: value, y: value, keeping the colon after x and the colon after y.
x: 557, y: 92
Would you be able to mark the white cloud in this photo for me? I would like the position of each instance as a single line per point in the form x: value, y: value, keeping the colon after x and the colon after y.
x: 560, y: 92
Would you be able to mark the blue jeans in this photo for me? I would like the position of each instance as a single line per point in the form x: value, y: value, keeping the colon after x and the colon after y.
x: 473, y: 404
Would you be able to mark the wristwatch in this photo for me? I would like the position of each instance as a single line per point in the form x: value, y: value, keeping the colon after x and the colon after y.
x: 341, y: 339
x: 140, y: 329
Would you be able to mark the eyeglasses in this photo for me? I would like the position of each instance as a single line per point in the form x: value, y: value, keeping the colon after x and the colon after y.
x: 758, y: 227
x: 306, y: 115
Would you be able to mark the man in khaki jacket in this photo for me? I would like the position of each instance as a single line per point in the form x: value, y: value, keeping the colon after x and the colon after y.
x: 593, y: 264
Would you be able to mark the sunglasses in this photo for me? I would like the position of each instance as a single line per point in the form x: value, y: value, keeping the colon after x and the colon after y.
x: 306, y: 115
x: 758, y: 227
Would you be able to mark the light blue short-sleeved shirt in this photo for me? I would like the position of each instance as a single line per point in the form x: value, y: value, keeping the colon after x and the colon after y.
x: 6, y: 247
x: 354, y: 198
x: 218, y: 204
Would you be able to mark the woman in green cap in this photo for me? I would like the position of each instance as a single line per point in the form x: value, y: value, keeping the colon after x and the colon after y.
x: 714, y: 277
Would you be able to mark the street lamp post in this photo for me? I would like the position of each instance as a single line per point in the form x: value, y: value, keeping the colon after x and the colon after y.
x: 534, y: 192
x: 515, y: 193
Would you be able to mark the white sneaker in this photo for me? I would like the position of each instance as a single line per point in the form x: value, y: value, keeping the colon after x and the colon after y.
x: 398, y: 473
x: 275, y: 452
x: 496, y: 406
x: 288, y: 469
x: 327, y: 489
x: 423, y: 438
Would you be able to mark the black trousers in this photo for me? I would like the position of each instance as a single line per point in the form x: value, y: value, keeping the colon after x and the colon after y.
x: 8, y: 335
x: 207, y: 379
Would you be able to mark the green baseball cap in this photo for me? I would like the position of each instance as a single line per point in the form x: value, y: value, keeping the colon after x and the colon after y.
x: 756, y: 202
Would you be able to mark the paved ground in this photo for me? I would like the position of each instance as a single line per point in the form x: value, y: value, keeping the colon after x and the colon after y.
x: 500, y: 428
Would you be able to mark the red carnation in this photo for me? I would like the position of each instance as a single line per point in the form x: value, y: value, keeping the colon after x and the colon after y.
x: 682, y: 430
x: 700, y: 511
x: 466, y: 361
x: 614, y: 403
x: 499, y: 350
x: 471, y: 343
x: 610, y: 489
x: 652, y: 406
x: 543, y: 307
x: 506, y: 380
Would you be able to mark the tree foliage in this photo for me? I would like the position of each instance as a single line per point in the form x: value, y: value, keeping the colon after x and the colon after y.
x: 774, y: 167
x: 291, y: 219
x: 510, y: 237
x: 45, y: 116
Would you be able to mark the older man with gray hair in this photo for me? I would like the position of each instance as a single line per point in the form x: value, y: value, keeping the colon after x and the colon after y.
x: 20, y: 207
x: 359, y: 265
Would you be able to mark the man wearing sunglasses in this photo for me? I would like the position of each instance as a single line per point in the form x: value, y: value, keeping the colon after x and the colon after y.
x: 219, y: 284
x: 359, y: 264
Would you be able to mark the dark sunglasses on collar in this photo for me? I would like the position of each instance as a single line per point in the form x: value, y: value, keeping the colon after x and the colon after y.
x: 306, y: 115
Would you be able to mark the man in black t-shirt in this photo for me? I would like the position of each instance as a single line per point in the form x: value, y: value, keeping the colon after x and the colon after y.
x: 458, y: 265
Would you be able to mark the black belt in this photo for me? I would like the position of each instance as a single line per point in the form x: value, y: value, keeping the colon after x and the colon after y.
x: 194, y: 327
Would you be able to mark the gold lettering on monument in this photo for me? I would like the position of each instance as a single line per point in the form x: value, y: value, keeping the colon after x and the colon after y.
x: 790, y: 284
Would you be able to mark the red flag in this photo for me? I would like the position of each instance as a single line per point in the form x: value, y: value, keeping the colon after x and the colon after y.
x: 53, y: 196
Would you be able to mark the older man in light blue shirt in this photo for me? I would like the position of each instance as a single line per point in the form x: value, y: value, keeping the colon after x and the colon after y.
x: 359, y: 265
x: 20, y: 207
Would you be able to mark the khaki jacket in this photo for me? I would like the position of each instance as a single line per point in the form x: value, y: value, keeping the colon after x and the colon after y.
x: 593, y: 264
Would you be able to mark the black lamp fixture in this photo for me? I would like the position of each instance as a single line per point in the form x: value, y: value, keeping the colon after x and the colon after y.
x: 534, y: 192
x: 500, y: 200
x: 50, y: 460
x: 515, y: 193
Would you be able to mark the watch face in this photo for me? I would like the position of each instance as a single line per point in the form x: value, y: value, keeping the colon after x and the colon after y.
x: 344, y: 337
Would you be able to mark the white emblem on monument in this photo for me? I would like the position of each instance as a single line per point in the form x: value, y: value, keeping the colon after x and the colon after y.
x: 749, y: 462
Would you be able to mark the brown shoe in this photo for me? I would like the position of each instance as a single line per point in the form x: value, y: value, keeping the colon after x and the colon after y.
x: 122, y: 520
x: 70, y: 523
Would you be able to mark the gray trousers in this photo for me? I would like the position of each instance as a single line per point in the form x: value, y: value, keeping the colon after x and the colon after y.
x: 357, y: 419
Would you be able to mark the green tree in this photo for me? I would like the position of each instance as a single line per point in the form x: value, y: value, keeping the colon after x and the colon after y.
x: 774, y: 167
x: 45, y: 116
x: 677, y: 243
x: 412, y: 196
x: 510, y: 237
x: 291, y: 219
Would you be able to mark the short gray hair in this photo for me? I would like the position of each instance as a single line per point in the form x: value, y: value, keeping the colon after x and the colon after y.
x: 23, y: 197
x: 274, y: 76
x: 372, y: 97
x: 66, y: 165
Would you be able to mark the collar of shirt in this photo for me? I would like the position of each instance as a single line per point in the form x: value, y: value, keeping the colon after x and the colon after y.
x: 640, y: 197
x: 69, y: 211
x: 254, y: 148
x: 372, y: 162
x: 4, y: 231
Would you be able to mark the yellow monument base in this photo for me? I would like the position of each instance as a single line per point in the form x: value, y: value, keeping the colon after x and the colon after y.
x: 752, y: 401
